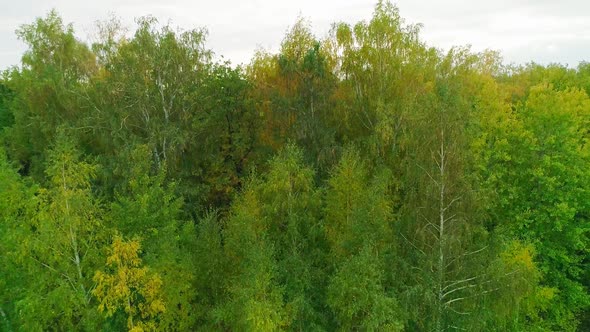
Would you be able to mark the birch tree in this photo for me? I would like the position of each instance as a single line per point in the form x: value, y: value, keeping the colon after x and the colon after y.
x: 62, y: 245
x: 442, y: 234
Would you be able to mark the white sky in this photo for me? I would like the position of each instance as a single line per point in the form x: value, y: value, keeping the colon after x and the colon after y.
x: 543, y: 31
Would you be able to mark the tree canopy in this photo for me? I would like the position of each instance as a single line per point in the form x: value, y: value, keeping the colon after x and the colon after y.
x: 360, y: 181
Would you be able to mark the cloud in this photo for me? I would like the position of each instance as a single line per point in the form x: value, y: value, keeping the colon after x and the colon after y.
x: 543, y: 31
x: 523, y: 30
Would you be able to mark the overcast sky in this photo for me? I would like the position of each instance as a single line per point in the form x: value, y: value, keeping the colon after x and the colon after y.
x: 543, y: 31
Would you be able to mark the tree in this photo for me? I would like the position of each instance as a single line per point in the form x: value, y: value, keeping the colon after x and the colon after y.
x: 128, y: 286
x: 6, y: 116
x: 213, y: 268
x: 446, y: 246
x: 17, y: 201
x: 195, y: 116
x: 359, y: 220
x: 156, y: 72
x: 293, y: 91
x: 47, y: 89
x: 147, y: 207
x: 226, y: 134
x: 60, y: 246
x: 274, y: 242
x: 536, y: 167
x: 255, y: 299
x: 385, y: 70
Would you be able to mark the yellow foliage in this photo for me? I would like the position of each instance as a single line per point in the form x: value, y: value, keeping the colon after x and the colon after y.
x: 520, y: 255
x: 129, y: 287
x: 546, y: 293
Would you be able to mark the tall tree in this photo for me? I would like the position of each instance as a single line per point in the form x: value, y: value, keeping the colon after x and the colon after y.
x: 147, y: 207
x: 444, y: 239
x: 195, y: 116
x: 61, y: 246
x: 274, y: 240
x: 385, y: 69
x: 294, y: 93
x: 47, y: 88
x: 225, y: 143
x: 359, y: 222
x: 536, y: 169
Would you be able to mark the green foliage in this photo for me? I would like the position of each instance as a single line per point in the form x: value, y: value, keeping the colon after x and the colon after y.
x: 359, y: 229
x: 358, y: 298
x: 227, y: 134
x: 148, y: 208
x: 6, y: 116
x: 59, y: 245
x: 16, y: 201
x: 194, y: 116
x: 364, y: 181
x: 47, y: 88
x: 255, y: 301
x: 273, y: 241
x: 538, y: 170
x: 293, y: 91
x: 212, y: 268
x: 385, y: 68
x: 358, y: 208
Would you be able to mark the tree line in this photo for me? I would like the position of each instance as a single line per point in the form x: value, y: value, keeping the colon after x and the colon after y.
x: 363, y: 181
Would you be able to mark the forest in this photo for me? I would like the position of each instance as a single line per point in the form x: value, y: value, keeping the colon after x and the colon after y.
x: 358, y: 181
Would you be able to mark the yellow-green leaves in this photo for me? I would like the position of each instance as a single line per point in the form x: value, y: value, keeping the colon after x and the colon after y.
x: 358, y: 298
x: 365, y: 181
x: 59, y: 236
x: 358, y: 208
x: 536, y: 172
x: 126, y: 285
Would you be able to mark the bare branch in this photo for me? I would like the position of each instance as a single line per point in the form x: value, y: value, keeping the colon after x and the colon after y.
x: 459, y: 312
x: 459, y: 282
x: 467, y: 254
x: 467, y: 297
x: 452, y: 202
x: 427, y: 173
x: 412, y: 244
x: 457, y: 289
x: 52, y: 269
x: 450, y: 218
x: 446, y: 304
